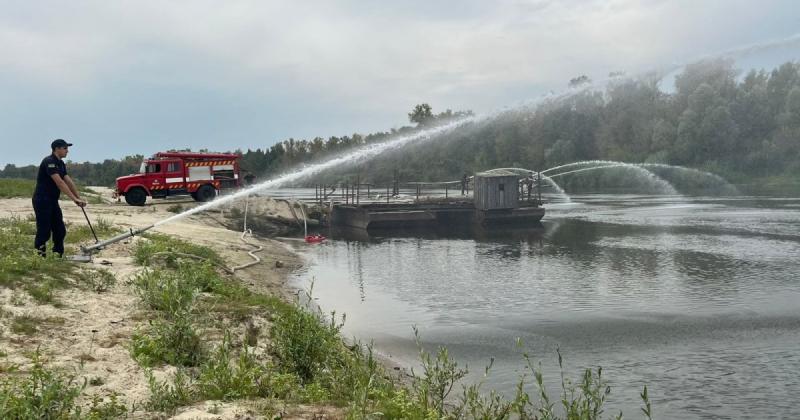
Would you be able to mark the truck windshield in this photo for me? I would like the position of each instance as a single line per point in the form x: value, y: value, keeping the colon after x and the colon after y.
x: 143, y: 168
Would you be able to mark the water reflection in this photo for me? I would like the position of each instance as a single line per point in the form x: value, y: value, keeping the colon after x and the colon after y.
x: 697, y: 298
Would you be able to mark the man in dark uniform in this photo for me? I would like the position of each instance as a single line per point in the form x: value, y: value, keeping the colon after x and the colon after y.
x: 51, y: 180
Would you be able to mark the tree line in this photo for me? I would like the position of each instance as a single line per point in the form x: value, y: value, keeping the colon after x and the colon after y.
x: 714, y: 119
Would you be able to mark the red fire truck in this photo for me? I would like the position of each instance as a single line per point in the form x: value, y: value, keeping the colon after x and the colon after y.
x: 202, y: 175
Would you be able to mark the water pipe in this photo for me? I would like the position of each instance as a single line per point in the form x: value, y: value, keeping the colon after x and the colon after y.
x: 102, y: 244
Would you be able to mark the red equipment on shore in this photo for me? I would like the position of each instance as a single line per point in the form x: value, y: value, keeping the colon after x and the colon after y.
x: 315, y: 239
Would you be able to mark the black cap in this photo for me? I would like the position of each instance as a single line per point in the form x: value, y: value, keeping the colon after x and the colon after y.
x: 59, y: 143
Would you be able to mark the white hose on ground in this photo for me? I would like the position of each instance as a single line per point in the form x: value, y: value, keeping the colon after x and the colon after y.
x: 246, y: 232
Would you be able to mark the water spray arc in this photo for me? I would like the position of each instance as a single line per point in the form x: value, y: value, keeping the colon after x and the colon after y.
x: 663, y: 184
x: 601, y: 164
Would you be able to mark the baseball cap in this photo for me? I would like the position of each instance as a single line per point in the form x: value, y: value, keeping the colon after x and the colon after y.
x: 59, y: 143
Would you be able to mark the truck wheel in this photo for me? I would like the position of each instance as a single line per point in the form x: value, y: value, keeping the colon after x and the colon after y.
x: 136, y: 197
x: 194, y: 196
x: 206, y: 193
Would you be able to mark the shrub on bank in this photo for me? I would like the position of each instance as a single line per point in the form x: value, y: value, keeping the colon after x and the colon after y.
x: 49, y: 394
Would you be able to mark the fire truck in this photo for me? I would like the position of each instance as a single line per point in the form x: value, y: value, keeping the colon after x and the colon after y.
x: 202, y: 175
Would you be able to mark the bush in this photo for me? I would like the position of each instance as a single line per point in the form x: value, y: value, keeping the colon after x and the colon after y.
x: 164, y: 290
x: 173, y: 341
x: 304, y: 342
x: 165, y: 397
x: 48, y: 394
x: 220, y: 379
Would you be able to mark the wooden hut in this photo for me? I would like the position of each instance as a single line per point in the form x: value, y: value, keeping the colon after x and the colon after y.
x: 496, y: 190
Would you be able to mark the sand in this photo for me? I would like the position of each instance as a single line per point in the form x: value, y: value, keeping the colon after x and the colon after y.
x: 89, y: 333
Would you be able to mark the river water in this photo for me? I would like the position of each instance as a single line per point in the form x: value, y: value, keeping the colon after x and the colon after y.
x: 699, y: 298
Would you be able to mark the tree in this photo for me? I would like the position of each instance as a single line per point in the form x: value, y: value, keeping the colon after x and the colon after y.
x: 579, y: 81
x: 422, y: 115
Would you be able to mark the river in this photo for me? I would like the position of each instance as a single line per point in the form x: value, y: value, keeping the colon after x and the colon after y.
x: 697, y: 297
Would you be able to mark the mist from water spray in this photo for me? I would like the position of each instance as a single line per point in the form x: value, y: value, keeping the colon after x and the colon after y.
x: 362, y: 153
x: 694, y: 171
x: 600, y: 164
x: 662, y: 184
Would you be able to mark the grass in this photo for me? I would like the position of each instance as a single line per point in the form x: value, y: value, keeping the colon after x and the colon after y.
x: 166, y: 290
x: 29, y: 325
x: 43, y: 393
x: 12, y: 188
x: 22, y: 267
x: 167, y: 247
x: 307, y: 361
x: 228, y: 377
x: 172, y: 340
x: 23, y: 188
x: 175, y: 208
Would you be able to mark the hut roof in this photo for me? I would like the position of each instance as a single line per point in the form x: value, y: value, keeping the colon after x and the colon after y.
x: 496, y: 173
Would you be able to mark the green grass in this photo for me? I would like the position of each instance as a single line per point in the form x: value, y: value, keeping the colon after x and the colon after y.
x: 225, y: 376
x: 172, y: 340
x: 165, y: 290
x: 158, y: 245
x: 12, y: 188
x: 166, y: 397
x: 22, y: 267
x: 23, y: 188
x: 43, y: 393
x: 78, y: 233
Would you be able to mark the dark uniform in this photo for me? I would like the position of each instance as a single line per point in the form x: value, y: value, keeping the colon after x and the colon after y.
x: 49, y: 219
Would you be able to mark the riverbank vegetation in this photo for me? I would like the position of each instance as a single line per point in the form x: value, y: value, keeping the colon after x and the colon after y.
x: 209, y: 337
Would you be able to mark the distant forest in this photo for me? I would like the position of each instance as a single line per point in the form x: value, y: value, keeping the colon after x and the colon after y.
x: 713, y: 119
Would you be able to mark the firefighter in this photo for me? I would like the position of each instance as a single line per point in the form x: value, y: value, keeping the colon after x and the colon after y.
x: 51, y: 180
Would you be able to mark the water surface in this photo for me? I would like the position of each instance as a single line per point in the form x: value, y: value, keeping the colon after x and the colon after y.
x: 696, y: 297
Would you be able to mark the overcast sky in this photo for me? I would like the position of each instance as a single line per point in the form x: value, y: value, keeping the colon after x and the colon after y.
x: 136, y: 77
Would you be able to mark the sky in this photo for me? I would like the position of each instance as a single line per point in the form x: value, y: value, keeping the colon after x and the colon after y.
x: 131, y: 77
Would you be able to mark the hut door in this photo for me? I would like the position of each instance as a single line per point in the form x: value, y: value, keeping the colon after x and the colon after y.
x: 501, y: 194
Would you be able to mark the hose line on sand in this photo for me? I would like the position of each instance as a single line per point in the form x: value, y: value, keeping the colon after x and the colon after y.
x: 229, y: 270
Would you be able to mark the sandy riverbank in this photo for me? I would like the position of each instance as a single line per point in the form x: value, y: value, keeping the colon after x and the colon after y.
x: 93, y: 330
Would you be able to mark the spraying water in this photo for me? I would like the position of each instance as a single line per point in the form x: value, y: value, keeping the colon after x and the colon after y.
x: 663, y: 185
x: 696, y: 172
x: 363, y: 153
x: 600, y: 164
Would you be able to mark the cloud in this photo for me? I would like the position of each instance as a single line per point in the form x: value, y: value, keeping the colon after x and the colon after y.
x: 263, y: 71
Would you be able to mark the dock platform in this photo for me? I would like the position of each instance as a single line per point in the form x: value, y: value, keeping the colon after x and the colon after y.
x: 403, y: 215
